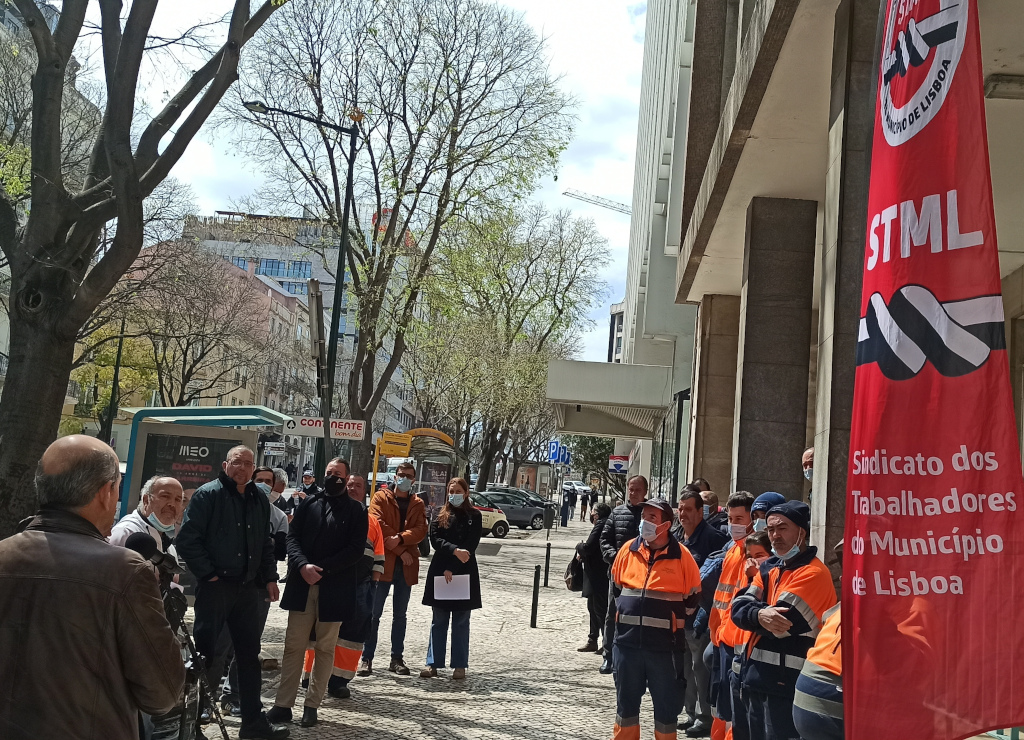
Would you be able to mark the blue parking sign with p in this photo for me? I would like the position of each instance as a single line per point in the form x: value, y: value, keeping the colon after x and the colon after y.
x: 554, y: 449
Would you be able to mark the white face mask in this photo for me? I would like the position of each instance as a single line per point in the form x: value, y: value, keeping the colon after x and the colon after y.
x: 738, y: 531
x: 404, y: 484
x: 456, y: 499
x: 809, y: 473
x: 760, y: 525
x: 649, y: 531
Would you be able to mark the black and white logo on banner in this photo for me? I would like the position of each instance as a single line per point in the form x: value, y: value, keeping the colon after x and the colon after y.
x: 923, y: 42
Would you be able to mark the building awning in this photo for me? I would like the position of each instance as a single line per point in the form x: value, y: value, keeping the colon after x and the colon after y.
x: 210, y: 416
x: 606, y: 399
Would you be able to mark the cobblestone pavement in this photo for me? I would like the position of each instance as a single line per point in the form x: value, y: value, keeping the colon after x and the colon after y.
x: 522, y: 683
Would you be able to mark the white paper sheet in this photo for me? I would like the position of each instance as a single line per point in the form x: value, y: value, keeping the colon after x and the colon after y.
x: 457, y: 590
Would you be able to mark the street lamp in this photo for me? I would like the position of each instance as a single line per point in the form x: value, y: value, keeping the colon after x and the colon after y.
x: 355, y: 115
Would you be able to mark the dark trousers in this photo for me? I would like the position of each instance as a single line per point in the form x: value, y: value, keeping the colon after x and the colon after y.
x: 637, y: 671
x: 219, y: 603
x: 818, y: 709
x: 740, y: 711
x: 231, y: 685
x: 720, y: 695
x: 609, y: 619
x: 597, y: 605
x: 698, y: 681
x: 770, y: 716
x: 357, y: 628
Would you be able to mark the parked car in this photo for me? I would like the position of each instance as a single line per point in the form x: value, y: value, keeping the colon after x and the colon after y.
x: 579, y: 486
x: 520, y: 511
x: 529, y: 495
x: 494, y: 520
x: 383, y: 479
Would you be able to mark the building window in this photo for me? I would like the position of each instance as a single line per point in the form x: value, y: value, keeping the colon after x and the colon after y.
x: 295, y: 288
x: 293, y: 269
x: 242, y: 262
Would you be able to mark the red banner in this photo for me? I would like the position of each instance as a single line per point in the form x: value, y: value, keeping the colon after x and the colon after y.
x: 933, y: 585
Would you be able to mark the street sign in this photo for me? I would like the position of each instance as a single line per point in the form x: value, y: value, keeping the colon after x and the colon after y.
x: 313, y: 426
x: 553, y: 450
x: 564, y: 458
x: 618, y: 463
x: 273, y: 448
x: 394, y: 445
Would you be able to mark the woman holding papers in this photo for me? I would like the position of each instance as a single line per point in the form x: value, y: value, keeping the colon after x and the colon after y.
x: 453, y: 580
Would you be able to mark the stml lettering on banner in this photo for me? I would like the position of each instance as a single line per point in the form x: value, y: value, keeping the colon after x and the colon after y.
x: 934, y: 551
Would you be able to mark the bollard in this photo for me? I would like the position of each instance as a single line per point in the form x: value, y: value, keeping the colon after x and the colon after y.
x: 547, y: 564
x: 536, y: 594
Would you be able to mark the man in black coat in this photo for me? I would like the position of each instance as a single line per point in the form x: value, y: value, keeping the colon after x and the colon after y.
x: 326, y: 541
x: 622, y: 526
x: 225, y: 541
x: 596, y: 587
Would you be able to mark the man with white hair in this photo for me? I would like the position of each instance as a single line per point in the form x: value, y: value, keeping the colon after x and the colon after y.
x: 160, y: 504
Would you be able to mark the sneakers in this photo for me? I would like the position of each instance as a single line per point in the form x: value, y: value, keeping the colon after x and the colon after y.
x: 308, y: 717
x: 231, y: 707
x: 459, y: 674
x: 365, y: 668
x: 262, y: 729
x: 686, y: 724
x: 398, y: 666
x: 589, y: 647
x: 700, y: 728
x: 279, y: 715
x: 428, y: 672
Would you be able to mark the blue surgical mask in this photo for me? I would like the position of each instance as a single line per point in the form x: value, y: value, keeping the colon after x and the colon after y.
x: 789, y: 555
x: 760, y: 525
x: 707, y: 511
x: 158, y: 525
x: 404, y: 484
x: 809, y: 473
x: 456, y: 499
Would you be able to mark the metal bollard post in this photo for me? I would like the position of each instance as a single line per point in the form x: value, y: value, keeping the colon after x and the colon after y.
x: 547, y: 564
x: 536, y: 594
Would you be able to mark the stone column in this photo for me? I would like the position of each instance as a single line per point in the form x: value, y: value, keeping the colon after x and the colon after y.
x: 713, y: 392
x: 770, y: 415
x: 851, y: 123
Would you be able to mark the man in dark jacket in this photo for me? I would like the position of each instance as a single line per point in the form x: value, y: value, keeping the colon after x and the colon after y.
x: 326, y: 541
x: 622, y: 526
x: 596, y: 588
x: 225, y: 541
x: 701, y: 539
x: 84, y: 643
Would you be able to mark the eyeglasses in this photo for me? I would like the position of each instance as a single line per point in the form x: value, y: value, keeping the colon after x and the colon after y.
x: 410, y: 476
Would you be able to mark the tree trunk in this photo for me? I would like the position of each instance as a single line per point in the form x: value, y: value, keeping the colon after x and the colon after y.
x: 30, y: 411
x: 516, y: 464
x: 488, y: 451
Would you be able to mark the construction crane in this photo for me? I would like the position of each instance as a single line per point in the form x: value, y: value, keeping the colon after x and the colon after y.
x: 597, y: 201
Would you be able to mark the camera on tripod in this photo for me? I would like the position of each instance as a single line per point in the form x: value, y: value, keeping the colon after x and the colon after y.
x: 181, y: 722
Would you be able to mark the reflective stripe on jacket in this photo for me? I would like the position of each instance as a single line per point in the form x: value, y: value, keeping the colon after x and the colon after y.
x: 803, y: 586
x: 734, y: 579
x: 657, y: 594
x: 827, y: 652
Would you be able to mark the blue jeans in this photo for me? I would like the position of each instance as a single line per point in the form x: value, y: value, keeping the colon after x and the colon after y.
x: 402, y: 594
x: 439, y: 637
x: 637, y: 671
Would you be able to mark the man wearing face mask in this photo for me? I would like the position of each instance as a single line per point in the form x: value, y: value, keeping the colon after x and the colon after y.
x: 160, y: 505
x: 783, y: 608
x: 403, y: 522
x: 701, y: 540
x: 659, y: 589
x: 326, y: 540
x: 759, y: 511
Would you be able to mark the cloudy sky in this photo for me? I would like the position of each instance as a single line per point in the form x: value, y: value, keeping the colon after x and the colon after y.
x: 596, y: 44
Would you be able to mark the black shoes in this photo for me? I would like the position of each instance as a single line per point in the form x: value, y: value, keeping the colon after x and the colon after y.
x: 279, y: 715
x: 308, y: 717
x: 606, y: 666
x: 398, y: 666
x: 232, y: 707
x: 686, y: 724
x: 339, y: 691
x: 365, y: 668
x: 305, y: 682
x: 262, y: 729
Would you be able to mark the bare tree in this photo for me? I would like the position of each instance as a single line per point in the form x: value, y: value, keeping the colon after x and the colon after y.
x: 58, y: 276
x: 459, y: 106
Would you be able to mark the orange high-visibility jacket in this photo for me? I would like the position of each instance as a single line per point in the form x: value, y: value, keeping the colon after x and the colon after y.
x: 732, y: 581
x: 802, y: 585
x: 657, y: 594
x: 375, y: 544
x: 827, y: 653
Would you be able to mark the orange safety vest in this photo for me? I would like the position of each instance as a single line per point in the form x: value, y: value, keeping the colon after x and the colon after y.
x: 827, y: 652
x: 733, y: 579
x: 375, y: 540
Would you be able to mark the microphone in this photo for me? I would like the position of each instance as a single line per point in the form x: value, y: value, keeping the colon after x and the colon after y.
x: 142, y: 543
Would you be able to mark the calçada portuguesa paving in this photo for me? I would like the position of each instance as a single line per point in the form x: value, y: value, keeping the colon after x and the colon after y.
x: 522, y: 683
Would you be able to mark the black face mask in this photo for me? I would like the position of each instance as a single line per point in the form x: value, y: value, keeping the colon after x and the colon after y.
x: 334, y: 485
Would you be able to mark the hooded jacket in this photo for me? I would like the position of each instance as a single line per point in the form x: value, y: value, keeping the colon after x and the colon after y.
x: 384, y: 506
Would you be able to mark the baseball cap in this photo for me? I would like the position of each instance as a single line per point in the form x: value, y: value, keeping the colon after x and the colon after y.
x: 666, y: 508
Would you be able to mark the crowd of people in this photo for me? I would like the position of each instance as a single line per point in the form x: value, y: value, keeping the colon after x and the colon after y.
x: 726, y: 616
x: 124, y: 660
